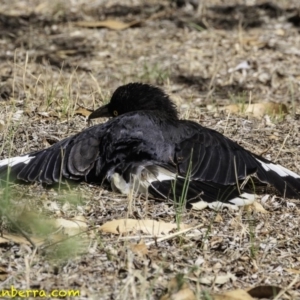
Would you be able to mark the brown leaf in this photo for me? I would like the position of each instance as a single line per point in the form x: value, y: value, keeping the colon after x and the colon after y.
x: 140, y: 248
x: 178, y: 290
x: 82, y: 111
x: 253, y: 41
x: 2, y: 125
x: 255, y: 206
x: 219, y: 279
x: 258, y: 110
x: 264, y: 291
x: 146, y: 226
x: 294, y: 271
x: 72, y: 226
x: 233, y: 295
x: 3, y: 274
x: 111, y: 24
x: 218, y: 218
x: 184, y: 294
x: 19, y: 239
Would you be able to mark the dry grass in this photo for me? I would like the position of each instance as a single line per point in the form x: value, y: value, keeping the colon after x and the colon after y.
x: 48, y: 67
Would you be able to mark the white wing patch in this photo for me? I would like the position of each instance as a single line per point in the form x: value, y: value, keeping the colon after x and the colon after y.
x: 280, y: 170
x: 243, y: 199
x: 12, y: 161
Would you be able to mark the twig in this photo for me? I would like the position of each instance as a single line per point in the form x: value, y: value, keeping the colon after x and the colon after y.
x: 282, y: 145
x: 287, y: 288
x: 173, y: 235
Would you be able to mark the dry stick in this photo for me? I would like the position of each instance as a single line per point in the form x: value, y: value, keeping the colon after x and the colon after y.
x: 216, y: 66
x: 24, y: 76
x: 282, y: 145
x: 264, y: 151
x: 287, y: 288
x: 98, y: 88
x: 172, y: 235
x: 227, y: 122
x: 236, y: 174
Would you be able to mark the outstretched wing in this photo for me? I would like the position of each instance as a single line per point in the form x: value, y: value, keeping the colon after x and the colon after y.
x: 71, y: 158
x: 94, y: 153
x: 213, y: 158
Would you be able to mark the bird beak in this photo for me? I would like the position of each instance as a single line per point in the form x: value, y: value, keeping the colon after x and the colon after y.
x: 101, y: 112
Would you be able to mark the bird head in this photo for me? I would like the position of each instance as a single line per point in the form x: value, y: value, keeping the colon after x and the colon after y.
x: 136, y: 97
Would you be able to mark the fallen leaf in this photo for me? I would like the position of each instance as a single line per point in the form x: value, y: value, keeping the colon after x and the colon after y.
x: 280, y: 32
x: 258, y: 110
x: 2, y: 125
x: 219, y: 279
x: 72, y: 226
x: 3, y: 274
x: 111, y: 24
x: 19, y: 239
x: 294, y: 271
x: 178, y: 290
x: 146, y: 226
x: 264, y: 291
x: 255, y: 206
x: 140, y: 248
x: 82, y: 111
x: 253, y: 42
x: 218, y: 218
x: 184, y: 294
x: 233, y: 295
x: 216, y: 241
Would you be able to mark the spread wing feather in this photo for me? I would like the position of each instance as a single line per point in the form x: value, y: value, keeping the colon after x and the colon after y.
x: 217, y: 160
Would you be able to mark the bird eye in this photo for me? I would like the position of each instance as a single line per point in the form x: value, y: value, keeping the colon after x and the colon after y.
x: 115, y: 113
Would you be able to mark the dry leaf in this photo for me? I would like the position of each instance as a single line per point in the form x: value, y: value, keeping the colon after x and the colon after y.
x: 255, y: 206
x: 253, y: 41
x: 178, y: 290
x: 72, y: 226
x: 294, y: 271
x: 218, y: 218
x: 146, y: 226
x: 233, y: 295
x: 184, y: 294
x: 2, y: 125
x: 140, y: 248
x: 19, y: 239
x: 111, y: 24
x: 264, y: 291
x: 280, y: 32
x: 220, y: 279
x: 257, y: 109
x: 3, y: 274
x: 83, y: 111
x: 215, y: 241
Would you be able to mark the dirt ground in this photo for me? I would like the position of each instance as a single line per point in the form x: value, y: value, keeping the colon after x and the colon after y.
x: 206, y: 58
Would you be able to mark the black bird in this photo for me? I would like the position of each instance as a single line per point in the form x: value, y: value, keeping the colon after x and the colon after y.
x: 145, y: 147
